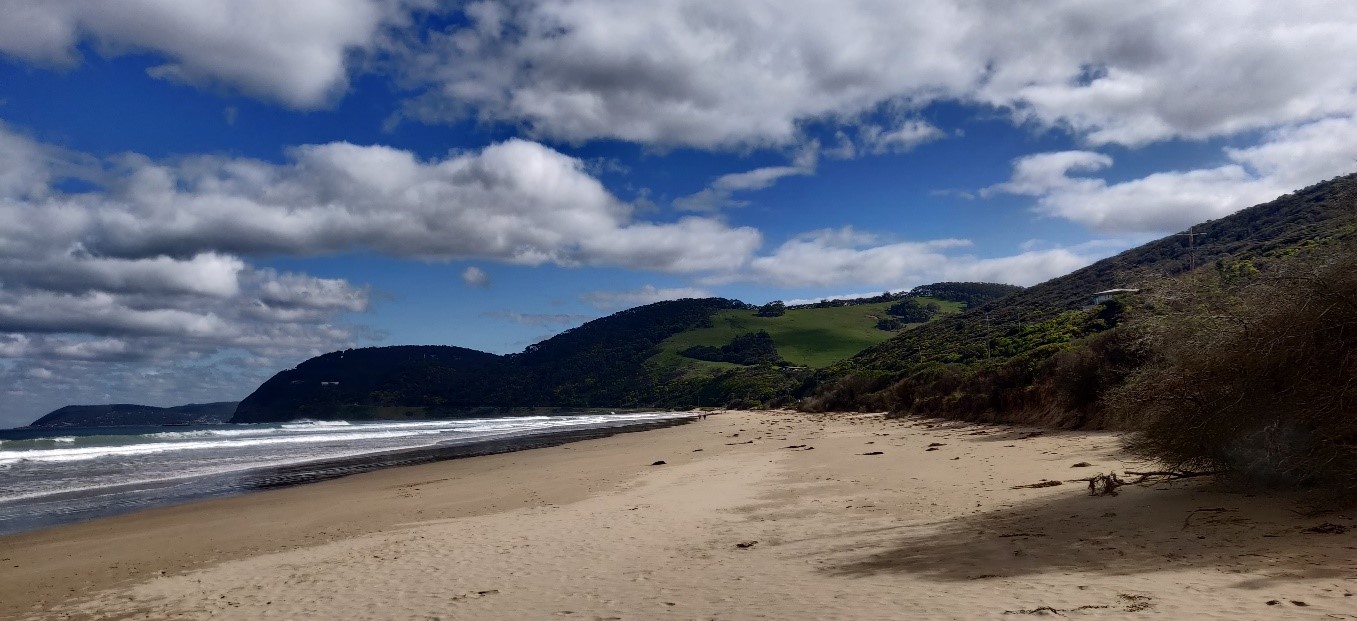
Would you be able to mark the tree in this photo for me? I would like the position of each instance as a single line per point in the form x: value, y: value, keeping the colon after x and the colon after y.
x: 772, y: 309
x: 909, y: 310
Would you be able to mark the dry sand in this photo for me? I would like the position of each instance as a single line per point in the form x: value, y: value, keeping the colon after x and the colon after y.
x: 726, y: 529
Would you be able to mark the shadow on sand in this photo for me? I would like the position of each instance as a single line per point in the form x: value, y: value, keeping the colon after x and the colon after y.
x: 1189, y: 525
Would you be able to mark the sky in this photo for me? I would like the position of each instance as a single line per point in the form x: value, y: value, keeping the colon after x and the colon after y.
x: 196, y: 195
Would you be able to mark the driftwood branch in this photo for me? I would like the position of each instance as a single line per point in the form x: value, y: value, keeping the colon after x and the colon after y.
x: 1107, y: 484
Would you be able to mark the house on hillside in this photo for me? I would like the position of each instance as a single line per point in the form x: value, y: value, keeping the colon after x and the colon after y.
x: 1103, y: 296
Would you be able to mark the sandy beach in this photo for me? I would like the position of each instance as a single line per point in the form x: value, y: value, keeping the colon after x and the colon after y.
x: 752, y: 515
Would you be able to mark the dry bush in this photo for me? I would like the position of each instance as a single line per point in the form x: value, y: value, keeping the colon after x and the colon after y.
x: 1257, y: 378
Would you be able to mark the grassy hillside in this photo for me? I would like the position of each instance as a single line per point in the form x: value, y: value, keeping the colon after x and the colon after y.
x: 1319, y: 214
x: 811, y: 337
x: 628, y: 359
x: 1037, y: 352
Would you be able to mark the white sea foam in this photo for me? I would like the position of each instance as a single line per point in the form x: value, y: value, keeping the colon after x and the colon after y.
x: 212, y: 433
x: 303, y: 423
x: 316, y: 432
x: 90, y: 463
x: 96, y: 452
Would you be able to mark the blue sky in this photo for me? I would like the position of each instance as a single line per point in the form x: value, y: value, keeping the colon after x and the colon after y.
x: 196, y: 195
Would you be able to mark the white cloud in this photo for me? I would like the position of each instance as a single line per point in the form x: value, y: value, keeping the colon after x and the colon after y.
x: 1042, y: 172
x: 845, y: 256
x: 904, y: 137
x: 1283, y: 160
x: 287, y: 290
x: 710, y: 73
x: 207, y: 274
x: 649, y: 294
x: 1298, y: 155
x: 66, y: 303
x: 516, y: 201
x: 475, y: 277
x: 102, y: 313
x: 718, y: 195
x: 294, y: 52
x: 716, y: 74
x: 1025, y: 269
x: 539, y: 319
x: 700, y: 73
x: 842, y: 257
x: 836, y: 296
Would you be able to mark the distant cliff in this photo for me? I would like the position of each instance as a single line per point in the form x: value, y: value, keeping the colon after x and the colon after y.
x: 130, y: 414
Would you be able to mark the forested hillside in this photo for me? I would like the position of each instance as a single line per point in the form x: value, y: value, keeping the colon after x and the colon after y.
x: 735, y: 354
x: 600, y: 363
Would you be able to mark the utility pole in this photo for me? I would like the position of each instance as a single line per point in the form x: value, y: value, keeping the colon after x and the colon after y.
x: 987, y: 336
x: 1192, y: 248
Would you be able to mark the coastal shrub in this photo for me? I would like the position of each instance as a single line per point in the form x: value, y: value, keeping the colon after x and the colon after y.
x: 861, y: 392
x: 889, y: 324
x: 1054, y: 372
x: 1255, y: 378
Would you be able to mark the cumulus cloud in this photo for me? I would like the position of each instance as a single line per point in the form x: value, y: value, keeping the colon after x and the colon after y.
x: 649, y: 294
x: 716, y: 74
x: 72, y: 309
x: 299, y: 291
x: 516, y: 201
x: 1025, y: 268
x: 207, y: 274
x: 837, y: 257
x: 475, y: 277
x: 843, y: 256
x: 1283, y: 160
x: 293, y: 52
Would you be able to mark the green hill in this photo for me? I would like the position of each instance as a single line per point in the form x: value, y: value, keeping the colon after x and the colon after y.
x: 629, y: 359
x: 995, y: 361
x: 810, y: 337
x: 599, y: 364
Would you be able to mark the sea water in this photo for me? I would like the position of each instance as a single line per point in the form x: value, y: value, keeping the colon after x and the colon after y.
x: 60, y: 475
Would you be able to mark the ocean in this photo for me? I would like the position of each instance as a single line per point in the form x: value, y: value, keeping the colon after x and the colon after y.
x: 64, y: 475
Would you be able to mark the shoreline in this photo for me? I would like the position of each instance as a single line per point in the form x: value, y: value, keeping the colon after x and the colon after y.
x: 136, y: 497
x: 752, y: 515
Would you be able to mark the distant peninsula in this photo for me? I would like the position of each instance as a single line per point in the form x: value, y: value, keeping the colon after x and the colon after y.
x: 122, y: 414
